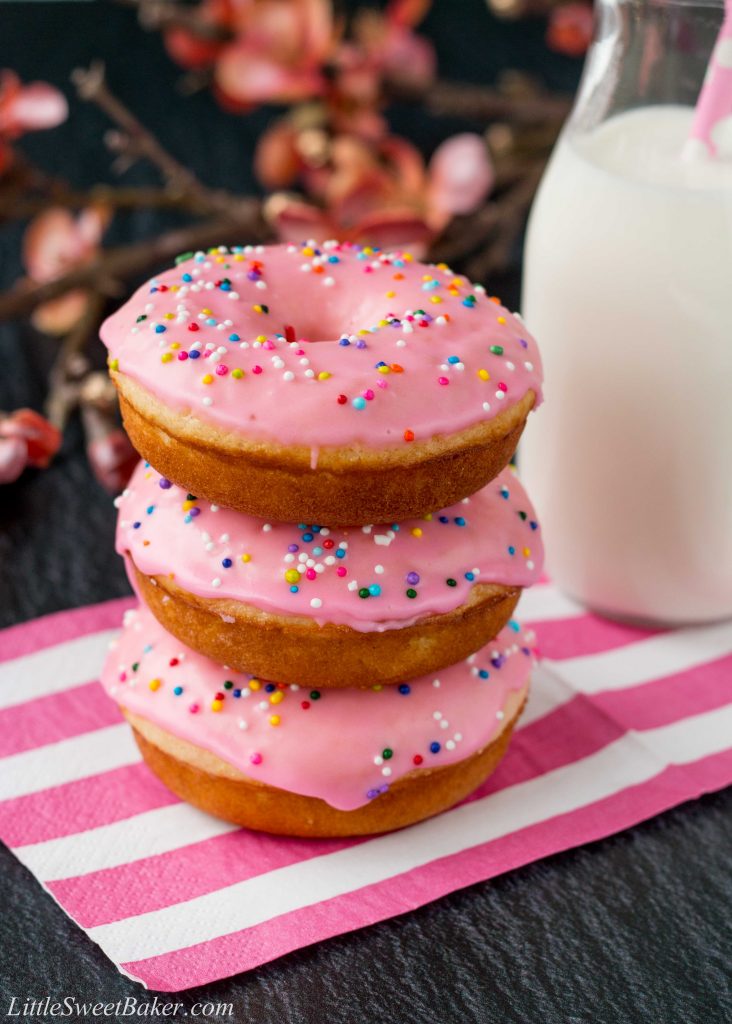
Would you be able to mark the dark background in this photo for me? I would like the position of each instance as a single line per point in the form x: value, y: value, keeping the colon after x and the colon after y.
x: 633, y: 929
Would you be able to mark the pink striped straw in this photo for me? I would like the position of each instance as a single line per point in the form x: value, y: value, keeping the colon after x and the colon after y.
x: 711, y: 130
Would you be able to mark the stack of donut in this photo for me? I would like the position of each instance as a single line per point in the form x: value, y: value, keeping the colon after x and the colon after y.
x: 324, y: 535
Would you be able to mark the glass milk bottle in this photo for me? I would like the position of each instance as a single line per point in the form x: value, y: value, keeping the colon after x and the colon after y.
x: 628, y: 289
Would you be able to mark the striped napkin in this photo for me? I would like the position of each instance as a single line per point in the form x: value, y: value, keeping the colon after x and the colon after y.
x: 622, y: 724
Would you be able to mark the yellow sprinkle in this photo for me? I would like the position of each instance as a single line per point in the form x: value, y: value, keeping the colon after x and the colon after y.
x: 274, y: 719
x: 324, y: 375
x: 155, y: 684
x: 254, y: 684
x: 277, y: 697
x: 484, y: 375
x: 114, y: 364
x: 237, y: 374
x: 166, y: 357
x: 501, y: 319
x: 246, y: 558
x: 216, y: 705
x: 390, y: 295
x: 207, y: 378
x: 416, y: 531
x: 292, y: 576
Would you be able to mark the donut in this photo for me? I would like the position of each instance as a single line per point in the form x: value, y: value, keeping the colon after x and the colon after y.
x: 291, y: 760
x: 342, y: 607
x: 335, y: 384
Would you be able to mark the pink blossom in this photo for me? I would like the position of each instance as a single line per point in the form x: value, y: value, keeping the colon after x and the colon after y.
x: 54, y: 242
x: 570, y: 28
x: 26, y: 439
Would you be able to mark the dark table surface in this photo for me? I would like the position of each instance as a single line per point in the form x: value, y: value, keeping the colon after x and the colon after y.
x: 635, y: 928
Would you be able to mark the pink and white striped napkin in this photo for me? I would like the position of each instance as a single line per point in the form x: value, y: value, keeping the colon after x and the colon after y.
x: 621, y: 725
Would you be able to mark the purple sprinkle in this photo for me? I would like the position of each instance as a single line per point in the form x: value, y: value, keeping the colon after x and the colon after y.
x: 165, y: 484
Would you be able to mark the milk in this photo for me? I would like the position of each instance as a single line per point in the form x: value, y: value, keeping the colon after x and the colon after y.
x: 628, y: 289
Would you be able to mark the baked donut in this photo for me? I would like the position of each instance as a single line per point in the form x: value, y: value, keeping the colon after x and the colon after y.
x: 322, y: 607
x: 315, y: 763
x: 333, y: 384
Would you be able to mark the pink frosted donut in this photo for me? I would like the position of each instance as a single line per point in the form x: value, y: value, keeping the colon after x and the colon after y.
x: 335, y: 384
x: 330, y: 607
x: 315, y: 762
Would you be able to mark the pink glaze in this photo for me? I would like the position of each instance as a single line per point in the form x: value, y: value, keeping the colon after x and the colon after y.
x: 278, y: 316
x: 328, y: 744
x: 492, y: 537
